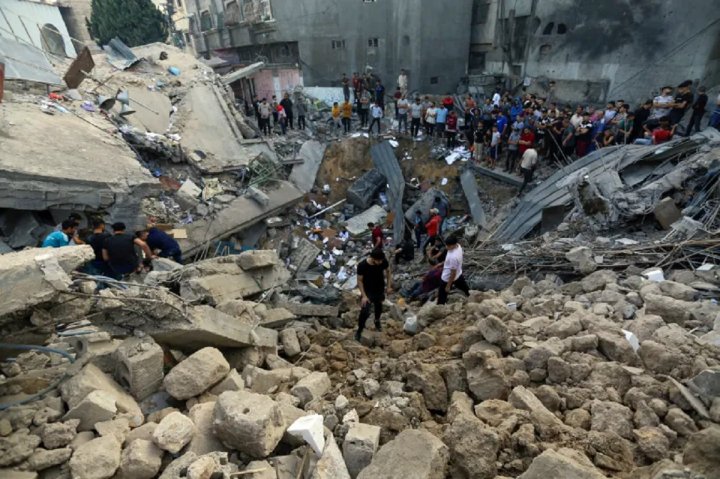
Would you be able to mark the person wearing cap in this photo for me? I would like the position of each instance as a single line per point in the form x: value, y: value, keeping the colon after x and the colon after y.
x: 372, y: 273
x: 119, y: 252
x: 452, y: 272
x: 58, y: 239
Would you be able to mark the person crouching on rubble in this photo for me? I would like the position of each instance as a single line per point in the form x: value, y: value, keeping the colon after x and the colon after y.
x: 372, y: 273
x: 161, y: 243
x: 62, y: 237
x: 119, y: 252
x: 452, y: 272
x: 422, y: 290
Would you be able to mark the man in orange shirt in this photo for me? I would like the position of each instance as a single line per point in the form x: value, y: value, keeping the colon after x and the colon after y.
x: 346, y: 115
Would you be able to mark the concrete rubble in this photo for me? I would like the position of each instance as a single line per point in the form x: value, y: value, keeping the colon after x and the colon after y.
x: 588, y: 350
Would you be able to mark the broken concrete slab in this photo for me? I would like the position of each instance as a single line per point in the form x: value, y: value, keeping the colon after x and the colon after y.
x: 357, y: 225
x: 310, y: 310
x: 237, y: 216
x: 303, y: 175
x: 469, y: 186
x: 139, y: 365
x: 97, y: 406
x: 196, y: 374
x: 359, y: 447
x: 23, y: 281
x: 571, y: 465
x: 413, y: 453
x: 363, y: 191
x: 384, y: 159
x: 511, y: 180
x: 424, y: 203
x: 303, y: 255
x: 248, y: 422
x: 103, y: 174
x: 666, y: 213
x: 331, y: 465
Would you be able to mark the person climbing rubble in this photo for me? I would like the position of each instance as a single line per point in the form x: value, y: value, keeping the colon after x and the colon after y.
x: 452, y: 272
x: 372, y: 274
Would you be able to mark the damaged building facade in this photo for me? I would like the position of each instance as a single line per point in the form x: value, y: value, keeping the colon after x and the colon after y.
x: 325, y: 39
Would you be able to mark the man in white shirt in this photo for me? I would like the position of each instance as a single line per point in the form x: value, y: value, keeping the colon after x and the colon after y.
x: 452, y: 273
x: 377, y: 113
x: 662, y: 104
x: 403, y: 82
x: 527, y: 167
x: 403, y: 105
x: 496, y: 99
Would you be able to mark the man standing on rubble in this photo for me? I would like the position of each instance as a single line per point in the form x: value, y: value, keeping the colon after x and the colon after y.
x: 264, y: 119
x: 58, y: 239
x: 345, y: 82
x: 452, y: 273
x: 403, y: 82
x: 287, y: 104
x: 527, y: 167
x: 378, y: 238
x: 403, y: 105
x: 346, y: 115
x: 416, y: 112
x: 364, y: 108
x: 97, y: 241
x: 119, y: 252
x: 372, y: 273
x: 377, y: 113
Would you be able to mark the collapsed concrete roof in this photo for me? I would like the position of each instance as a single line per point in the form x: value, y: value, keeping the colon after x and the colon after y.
x: 68, y: 161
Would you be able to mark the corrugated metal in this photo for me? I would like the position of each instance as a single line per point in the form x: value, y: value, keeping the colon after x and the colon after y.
x: 384, y: 159
x: 23, y: 62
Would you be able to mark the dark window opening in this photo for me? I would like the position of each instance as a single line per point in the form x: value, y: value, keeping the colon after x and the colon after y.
x: 434, y: 80
x: 205, y: 21
x: 562, y: 29
x: 549, y: 28
x: 373, y: 42
x: 338, y: 44
x: 545, y: 49
x: 477, y: 61
x: 480, y: 12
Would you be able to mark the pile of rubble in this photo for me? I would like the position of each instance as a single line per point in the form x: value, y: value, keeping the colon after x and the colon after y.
x: 614, y: 374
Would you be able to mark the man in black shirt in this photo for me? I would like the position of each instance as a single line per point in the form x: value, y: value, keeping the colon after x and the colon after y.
x: 119, y: 252
x: 683, y: 100
x: 641, y: 116
x: 97, y: 241
x: 287, y: 104
x: 371, y: 273
x: 698, y: 111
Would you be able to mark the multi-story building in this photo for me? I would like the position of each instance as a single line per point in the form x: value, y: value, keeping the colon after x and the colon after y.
x: 179, y: 21
x: 324, y: 38
x: 597, y: 51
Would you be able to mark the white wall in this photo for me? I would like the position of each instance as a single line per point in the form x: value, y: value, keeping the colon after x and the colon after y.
x: 22, y: 20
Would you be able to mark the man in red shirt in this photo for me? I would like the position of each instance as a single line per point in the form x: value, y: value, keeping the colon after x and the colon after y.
x: 433, y: 228
x: 378, y: 238
x: 663, y: 133
x: 527, y: 140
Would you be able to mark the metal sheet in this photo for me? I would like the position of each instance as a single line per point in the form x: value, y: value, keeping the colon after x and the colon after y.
x: 384, y: 159
x: 24, y: 62
x: 469, y: 186
x: 119, y: 55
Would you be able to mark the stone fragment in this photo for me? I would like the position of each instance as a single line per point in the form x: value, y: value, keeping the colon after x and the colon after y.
x: 264, y: 470
x: 652, y: 442
x: 256, y: 259
x: 331, y: 464
x: 361, y: 443
x: 91, y: 378
x: 248, y: 422
x: 426, y: 379
x: 5, y: 428
x: 17, y: 447
x: 311, y: 387
x: 120, y: 428
x: 581, y: 257
x: 196, y: 374
x: 173, y: 432
x: 15, y: 474
x: 414, y: 453
x: 494, y: 330
x: 659, y: 358
x: 97, y: 406
x: 43, y: 459
x: 670, y: 309
x: 203, y: 467
x: 555, y: 465
x: 680, y: 422
x: 232, y: 382
x: 96, y: 459
x: 144, y: 432
x: 290, y: 342
x: 141, y: 459
x: 139, y: 366
x: 565, y: 327
x: 702, y: 452
x: 473, y: 446
x: 59, y: 434
x: 609, y: 416
x: 547, y: 424
x: 579, y: 418
x: 203, y: 440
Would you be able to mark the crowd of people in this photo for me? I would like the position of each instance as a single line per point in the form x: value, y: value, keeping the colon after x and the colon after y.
x: 118, y: 253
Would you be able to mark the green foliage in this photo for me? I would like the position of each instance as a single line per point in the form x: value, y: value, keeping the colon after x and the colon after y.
x: 135, y: 22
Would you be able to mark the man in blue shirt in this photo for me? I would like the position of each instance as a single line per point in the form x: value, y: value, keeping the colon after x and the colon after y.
x: 440, y: 119
x: 158, y: 240
x: 57, y: 239
x: 500, y: 122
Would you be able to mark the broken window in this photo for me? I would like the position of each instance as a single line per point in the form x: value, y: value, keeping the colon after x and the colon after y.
x: 255, y: 11
x: 549, y: 28
x: 205, y: 21
x: 232, y: 13
x: 338, y: 44
x: 373, y: 42
x: 480, y: 12
x: 562, y: 29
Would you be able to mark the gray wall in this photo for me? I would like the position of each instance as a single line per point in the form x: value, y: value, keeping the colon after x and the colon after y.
x: 426, y: 37
x: 620, y: 48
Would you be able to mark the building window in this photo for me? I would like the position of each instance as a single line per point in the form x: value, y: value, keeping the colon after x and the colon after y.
x: 205, y: 21
x: 232, y: 13
x: 562, y: 29
x: 338, y: 44
x: 284, y: 51
x: 545, y: 50
x: 373, y: 42
x: 179, y: 3
x: 369, y: 1
x: 434, y: 80
x: 549, y: 28
x: 480, y: 12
